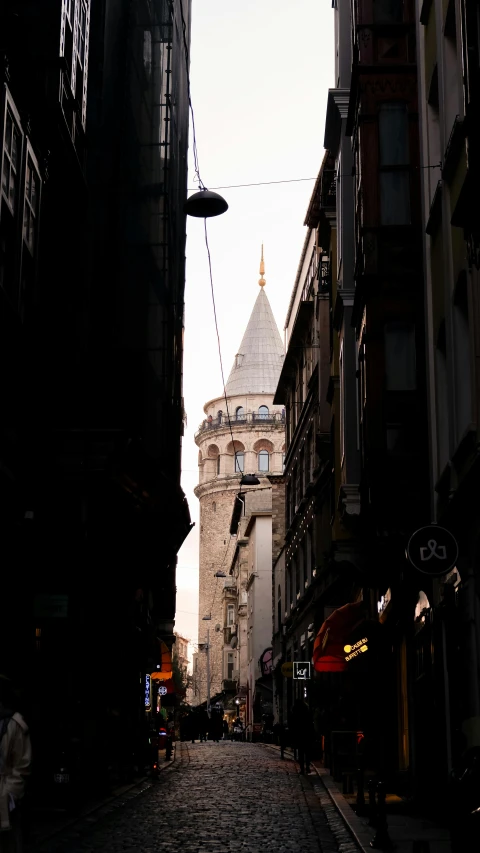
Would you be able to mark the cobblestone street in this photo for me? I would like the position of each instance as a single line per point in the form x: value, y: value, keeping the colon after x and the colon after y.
x: 216, y: 797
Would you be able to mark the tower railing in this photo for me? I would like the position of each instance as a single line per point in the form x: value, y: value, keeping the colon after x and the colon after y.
x: 221, y: 422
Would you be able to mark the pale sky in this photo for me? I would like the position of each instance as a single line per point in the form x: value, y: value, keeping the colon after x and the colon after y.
x: 260, y: 73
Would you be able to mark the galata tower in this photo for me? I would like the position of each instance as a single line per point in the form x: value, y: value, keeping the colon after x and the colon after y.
x: 242, y: 434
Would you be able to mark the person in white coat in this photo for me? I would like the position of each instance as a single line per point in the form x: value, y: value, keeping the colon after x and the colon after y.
x: 15, y: 763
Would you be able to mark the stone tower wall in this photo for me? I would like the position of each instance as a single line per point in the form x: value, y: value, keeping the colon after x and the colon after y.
x: 216, y: 492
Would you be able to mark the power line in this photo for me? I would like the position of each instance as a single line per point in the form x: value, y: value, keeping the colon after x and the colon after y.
x: 258, y: 184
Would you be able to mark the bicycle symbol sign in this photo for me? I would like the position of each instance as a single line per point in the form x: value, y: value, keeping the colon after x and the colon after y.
x: 433, y: 550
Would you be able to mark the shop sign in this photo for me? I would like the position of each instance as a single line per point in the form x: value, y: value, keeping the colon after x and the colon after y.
x: 301, y: 670
x: 163, y: 690
x: 355, y: 649
x: 266, y: 662
x: 287, y: 669
x: 148, y: 692
x: 433, y: 550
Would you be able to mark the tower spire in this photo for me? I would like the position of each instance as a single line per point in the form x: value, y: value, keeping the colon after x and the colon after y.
x: 261, y: 280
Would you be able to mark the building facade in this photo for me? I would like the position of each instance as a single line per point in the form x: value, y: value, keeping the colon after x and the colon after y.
x: 91, y: 287
x: 449, y: 51
x: 243, y: 433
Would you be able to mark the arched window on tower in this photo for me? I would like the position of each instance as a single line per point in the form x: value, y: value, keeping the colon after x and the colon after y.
x: 263, y: 460
x: 239, y: 461
x: 240, y: 413
x: 263, y: 413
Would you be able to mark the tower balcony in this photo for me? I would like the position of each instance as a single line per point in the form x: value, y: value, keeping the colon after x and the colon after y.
x: 250, y: 418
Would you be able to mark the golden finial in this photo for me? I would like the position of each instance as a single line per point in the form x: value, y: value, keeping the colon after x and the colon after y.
x: 261, y: 280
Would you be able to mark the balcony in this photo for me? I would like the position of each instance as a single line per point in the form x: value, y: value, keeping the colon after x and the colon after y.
x: 249, y: 418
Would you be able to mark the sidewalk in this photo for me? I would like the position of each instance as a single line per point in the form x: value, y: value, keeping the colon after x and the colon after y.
x: 403, y: 829
x: 49, y: 823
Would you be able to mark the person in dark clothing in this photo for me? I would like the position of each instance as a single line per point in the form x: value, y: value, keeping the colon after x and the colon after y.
x: 203, y: 726
x: 225, y: 729
x: 216, y: 728
x: 303, y: 733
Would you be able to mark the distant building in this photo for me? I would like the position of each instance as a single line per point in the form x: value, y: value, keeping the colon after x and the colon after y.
x: 249, y: 438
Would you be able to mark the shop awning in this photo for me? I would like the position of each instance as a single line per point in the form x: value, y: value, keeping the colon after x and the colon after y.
x: 165, y: 664
x: 328, y: 649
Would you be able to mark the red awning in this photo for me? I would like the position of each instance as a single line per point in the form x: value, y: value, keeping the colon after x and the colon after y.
x: 328, y: 653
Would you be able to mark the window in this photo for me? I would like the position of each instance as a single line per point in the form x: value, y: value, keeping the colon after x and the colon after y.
x: 230, y: 665
x: 218, y: 464
x: 30, y: 213
x: 147, y: 53
x: 263, y: 460
x: 387, y: 11
x: 240, y: 413
x: 400, y: 368
x: 394, y: 164
x: 239, y: 461
x: 263, y: 412
x: 11, y: 161
x: 230, y: 615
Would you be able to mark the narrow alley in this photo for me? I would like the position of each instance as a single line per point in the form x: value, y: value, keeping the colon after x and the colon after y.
x: 216, y: 797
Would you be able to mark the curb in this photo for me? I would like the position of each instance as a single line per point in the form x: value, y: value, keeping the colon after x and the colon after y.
x: 86, y: 813
x: 353, y: 823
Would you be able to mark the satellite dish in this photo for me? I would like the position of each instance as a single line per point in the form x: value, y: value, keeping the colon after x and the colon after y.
x: 218, y: 627
x: 233, y: 643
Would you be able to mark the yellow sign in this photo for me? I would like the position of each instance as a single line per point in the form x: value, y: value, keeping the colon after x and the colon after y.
x: 355, y: 650
x: 287, y: 669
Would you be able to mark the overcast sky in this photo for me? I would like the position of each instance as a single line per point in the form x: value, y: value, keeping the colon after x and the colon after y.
x: 260, y: 72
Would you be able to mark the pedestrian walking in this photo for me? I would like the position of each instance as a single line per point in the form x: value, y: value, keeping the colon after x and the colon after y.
x: 15, y: 762
x: 225, y: 729
x: 203, y: 726
x: 302, y: 733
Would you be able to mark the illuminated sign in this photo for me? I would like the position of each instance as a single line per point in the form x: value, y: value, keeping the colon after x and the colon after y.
x: 301, y: 670
x: 148, y: 692
x: 163, y: 690
x: 356, y: 649
x: 384, y: 601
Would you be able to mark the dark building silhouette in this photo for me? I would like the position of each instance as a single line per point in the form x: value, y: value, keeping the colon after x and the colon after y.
x: 94, y: 134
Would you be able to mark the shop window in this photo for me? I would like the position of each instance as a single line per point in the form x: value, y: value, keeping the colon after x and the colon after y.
x: 263, y: 460
x: 240, y: 461
x: 394, y: 164
x: 400, y: 366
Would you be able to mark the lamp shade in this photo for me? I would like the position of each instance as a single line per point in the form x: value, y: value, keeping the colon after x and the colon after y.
x: 249, y: 480
x: 205, y: 204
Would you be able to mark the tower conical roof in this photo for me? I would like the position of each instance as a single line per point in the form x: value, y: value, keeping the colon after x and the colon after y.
x: 257, y: 366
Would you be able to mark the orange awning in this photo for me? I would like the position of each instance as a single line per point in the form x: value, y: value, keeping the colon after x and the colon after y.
x: 165, y: 670
x: 328, y: 653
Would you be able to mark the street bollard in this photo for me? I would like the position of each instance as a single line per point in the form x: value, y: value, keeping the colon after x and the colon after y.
x: 372, y: 806
x: 360, y: 790
x: 382, y: 839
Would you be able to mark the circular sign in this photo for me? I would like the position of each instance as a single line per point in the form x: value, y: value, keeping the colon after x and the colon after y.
x: 162, y: 690
x: 287, y: 669
x: 433, y: 550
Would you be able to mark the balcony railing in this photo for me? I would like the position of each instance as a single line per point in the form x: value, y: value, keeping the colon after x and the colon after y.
x: 249, y: 418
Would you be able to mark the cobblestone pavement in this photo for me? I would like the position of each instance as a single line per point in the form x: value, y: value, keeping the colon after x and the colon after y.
x: 216, y: 798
